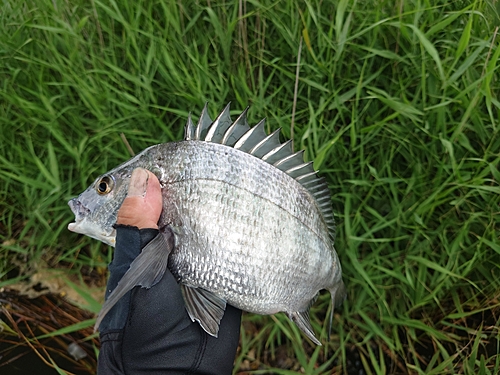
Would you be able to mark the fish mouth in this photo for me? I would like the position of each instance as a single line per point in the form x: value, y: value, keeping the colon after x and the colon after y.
x: 79, y: 210
x: 73, y: 227
x: 82, y: 226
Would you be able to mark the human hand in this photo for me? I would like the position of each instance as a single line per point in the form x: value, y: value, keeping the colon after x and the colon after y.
x: 148, y: 330
x: 143, y: 204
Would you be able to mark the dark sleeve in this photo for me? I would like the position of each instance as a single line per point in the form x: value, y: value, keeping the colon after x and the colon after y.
x: 149, y: 331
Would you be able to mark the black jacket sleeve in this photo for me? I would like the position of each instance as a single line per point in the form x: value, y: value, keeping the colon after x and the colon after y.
x: 149, y: 331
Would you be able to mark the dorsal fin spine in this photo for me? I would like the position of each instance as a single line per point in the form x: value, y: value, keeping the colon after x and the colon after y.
x: 267, y: 157
x: 306, y: 175
x: 240, y: 125
x: 220, y: 125
x: 298, y: 167
x: 309, y: 182
x: 189, y: 129
x: 299, y: 153
x: 266, y: 141
x: 203, y: 123
x: 249, y: 136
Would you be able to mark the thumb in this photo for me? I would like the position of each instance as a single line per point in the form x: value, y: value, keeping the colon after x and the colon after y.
x: 138, y: 183
x: 143, y: 205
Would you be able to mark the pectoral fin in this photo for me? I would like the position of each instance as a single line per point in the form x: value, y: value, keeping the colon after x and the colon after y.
x: 146, y: 270
x: 204, y: 307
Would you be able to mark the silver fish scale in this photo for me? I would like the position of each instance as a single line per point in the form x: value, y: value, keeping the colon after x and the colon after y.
x: 197, y: 160
x: 270, y: 256
x: 232, y: 211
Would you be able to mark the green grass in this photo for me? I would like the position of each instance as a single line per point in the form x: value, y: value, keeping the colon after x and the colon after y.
x: 397, y: 104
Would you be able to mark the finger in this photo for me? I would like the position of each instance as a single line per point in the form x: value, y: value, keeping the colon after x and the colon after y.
x: 153, y: 198
x: 143, y: 204
x: 138, y: 182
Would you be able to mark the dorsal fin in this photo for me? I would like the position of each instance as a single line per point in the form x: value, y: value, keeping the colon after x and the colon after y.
x: 290, y: 161
x: 236, y: 130
x: 300, y: 169
x: 267, y: 144
x: 189, y: 129
x: 218, y: 128
x: 279, y: 152
x: 255, y: 141
x: 252, y: 137
x: 203, y: 123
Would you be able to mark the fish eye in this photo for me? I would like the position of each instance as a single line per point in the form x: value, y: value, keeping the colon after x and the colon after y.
x: 105, y: 185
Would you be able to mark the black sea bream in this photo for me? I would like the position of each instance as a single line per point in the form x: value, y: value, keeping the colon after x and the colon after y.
x: 245, y: 220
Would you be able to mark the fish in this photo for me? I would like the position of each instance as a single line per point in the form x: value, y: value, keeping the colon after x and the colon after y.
x: 245, y: 221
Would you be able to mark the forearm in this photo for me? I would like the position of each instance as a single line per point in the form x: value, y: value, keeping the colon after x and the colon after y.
x: 149, y: 331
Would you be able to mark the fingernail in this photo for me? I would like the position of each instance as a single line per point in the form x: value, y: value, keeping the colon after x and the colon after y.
x: 138, y: 182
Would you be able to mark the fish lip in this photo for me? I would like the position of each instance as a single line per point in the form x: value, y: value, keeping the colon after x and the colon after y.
x: 73, y: 226
x: 80, y: 211
x: 81, y: 227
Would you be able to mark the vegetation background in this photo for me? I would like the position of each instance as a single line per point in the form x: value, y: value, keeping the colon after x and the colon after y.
x: 396, y: 102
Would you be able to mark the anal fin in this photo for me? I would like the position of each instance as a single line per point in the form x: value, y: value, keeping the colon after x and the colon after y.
x: 301, y: 318
x: 204, y: 307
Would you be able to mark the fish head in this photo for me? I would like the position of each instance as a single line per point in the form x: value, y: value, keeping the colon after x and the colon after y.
x: 97, y: 207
